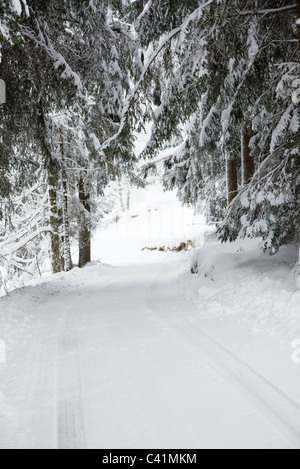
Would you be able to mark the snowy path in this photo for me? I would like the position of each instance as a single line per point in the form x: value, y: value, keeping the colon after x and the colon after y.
x: 108, y: 358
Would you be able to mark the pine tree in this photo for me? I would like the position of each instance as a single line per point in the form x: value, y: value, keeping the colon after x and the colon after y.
x: 67, y: 112
x: 228, y: 70
x: 10, y: 13
x: 268, y: 206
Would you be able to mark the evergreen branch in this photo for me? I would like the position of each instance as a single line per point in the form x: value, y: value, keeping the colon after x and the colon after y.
x: 145, y: 11
x: 21, y: 244
x: 147, y: 166
x: 130, y: 100
x: 56, y: 57
x: 258, y: 177
x: 269, y: 10
x: 18, y: 266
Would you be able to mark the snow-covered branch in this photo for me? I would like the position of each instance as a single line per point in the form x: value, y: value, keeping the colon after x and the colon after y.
x: 269, y: 10
x: 162, y: 158
x: 56, y: 57
x: 163, y: 43
x: 21, y: 244
x: 145, y: 10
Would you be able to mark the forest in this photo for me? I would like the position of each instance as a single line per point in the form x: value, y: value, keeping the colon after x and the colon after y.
x: 149, y: 226
x: 219, y: 82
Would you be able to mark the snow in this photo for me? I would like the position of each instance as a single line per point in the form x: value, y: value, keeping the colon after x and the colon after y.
x: 145, y: 10
x: 296, y: 354
x: 2, y: 352
x: 241, y: 281
x: 95, y: 140
x: 156, y: 219
x: 226, y: 115
x: 252, y: 44
x: 281, y: 127
x: 17, y: 245
x: 68, y: 72
x: 135, y: 352
x: 150, y: 56
x: 295, y: 95
x: 16, y: 6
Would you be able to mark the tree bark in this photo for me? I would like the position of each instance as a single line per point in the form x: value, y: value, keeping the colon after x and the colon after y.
x: 128, y: 200
x: 248, y: 160
x: 122, y: 203
x: 61, y: 238
x: 84, y: 226
x: 298, y: 265
x: 67, y: 257
x: 51, y: 169
x: 232, y: 179
x: 54, y: 221
x: 298, y: 25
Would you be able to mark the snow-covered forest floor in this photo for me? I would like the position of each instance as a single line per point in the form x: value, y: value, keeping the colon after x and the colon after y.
x: 135, y: 352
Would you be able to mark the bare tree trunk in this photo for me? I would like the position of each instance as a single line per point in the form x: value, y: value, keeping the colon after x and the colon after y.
x: 298, y: 25
x: 84, y: 226
x: 122, y: 203
x: 52, y: 194
x: 128, y: 200
x: 248, y: 160
x: 54, y: 222
x: 298, y: 265
x: 232, y: 179
x: 61, y: 238
x: 68, y: 264
x: 66, y: 258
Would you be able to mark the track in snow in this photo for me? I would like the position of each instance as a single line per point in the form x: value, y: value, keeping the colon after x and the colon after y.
x: 282, y: 411
x: 114, y: 363
x: 279, y: 408
x: 70, y: 420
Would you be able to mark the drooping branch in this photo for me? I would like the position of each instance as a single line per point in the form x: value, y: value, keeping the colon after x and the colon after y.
x: 268, y: 11
x: 21, y: 244
x: 160, y: 159
x: 145, y: 10
x: 130, y: 100
x: 55, y: 56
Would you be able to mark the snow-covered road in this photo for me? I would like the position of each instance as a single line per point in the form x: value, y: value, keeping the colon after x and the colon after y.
x: 135, y: 352
x: 109, y: 358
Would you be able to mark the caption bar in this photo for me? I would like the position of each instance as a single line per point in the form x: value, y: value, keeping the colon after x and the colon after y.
x: 151, y: 458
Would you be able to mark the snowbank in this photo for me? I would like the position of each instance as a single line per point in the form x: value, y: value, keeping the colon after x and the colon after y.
x: 240, y: 280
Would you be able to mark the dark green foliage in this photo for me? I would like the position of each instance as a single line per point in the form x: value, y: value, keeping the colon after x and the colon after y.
x: 233, y: 66
x: 66, y: 92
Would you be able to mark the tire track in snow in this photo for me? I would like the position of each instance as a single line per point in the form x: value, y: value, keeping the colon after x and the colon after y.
x: 69, y: 402
x: 280, y: 409
x: 68, y: 386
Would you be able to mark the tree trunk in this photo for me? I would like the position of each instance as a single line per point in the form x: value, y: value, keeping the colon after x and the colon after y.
x: 84, y: 226
x: 61, y: 238
x: 232, y: 179
x: 122, y: 203
x: 298, y: 265
x: 298, y: 25
x: 248, y: 161
x: 67, y: 257
x: 128, y: 200
x: 54, y: 222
